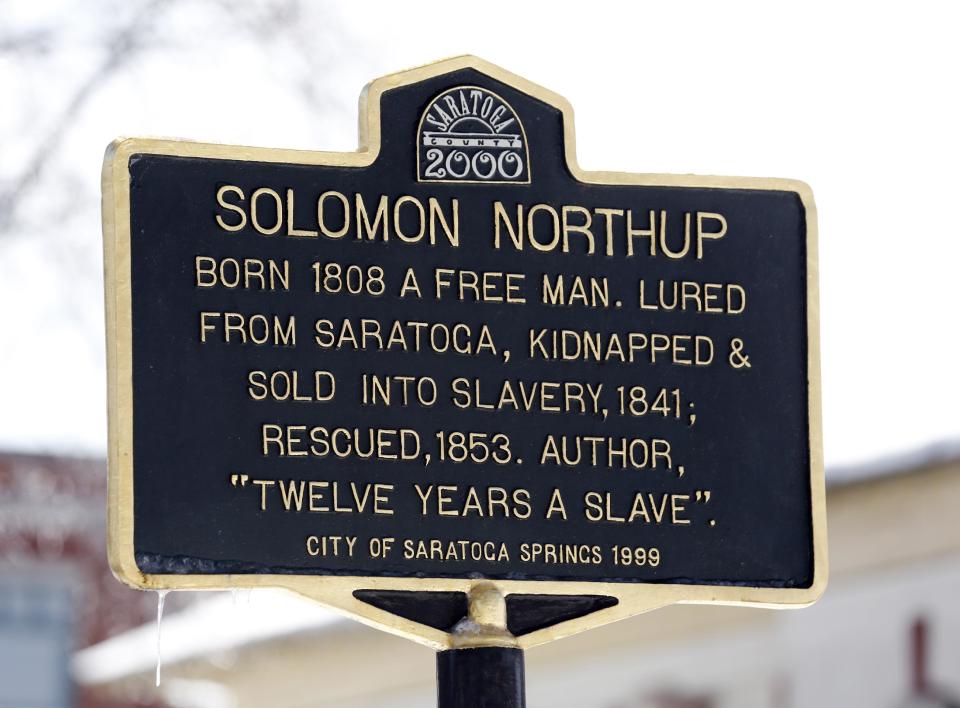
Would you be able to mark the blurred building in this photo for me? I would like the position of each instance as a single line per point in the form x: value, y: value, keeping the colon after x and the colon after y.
x: 895, y: 566
x: 57, y: 594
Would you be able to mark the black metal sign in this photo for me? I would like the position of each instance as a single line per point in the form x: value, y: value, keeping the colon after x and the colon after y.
x: 455, y: 356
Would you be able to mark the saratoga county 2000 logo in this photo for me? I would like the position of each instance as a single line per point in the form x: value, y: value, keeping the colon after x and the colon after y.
x: 470, y: 134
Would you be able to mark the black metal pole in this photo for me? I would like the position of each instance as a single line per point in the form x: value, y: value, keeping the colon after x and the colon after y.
x: 481, y: 677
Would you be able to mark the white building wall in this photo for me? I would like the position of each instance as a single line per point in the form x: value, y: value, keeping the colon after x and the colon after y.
x: 851, y: 650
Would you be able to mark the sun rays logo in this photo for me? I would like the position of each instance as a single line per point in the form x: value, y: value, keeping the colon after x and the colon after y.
x: 470, y: 134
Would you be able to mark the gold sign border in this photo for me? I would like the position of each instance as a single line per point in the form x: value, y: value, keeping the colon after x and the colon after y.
x: 336, y: 592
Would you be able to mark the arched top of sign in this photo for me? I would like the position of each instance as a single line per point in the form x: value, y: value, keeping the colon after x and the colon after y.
x: 470, y: 134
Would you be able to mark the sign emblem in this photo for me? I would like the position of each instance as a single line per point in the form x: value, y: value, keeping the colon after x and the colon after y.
x: 470, y: 134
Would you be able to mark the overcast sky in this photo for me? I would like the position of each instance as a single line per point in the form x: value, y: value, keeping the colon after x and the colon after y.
x: 857, y: 100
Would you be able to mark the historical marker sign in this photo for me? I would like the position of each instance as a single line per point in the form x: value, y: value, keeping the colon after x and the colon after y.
x: 454, y: 355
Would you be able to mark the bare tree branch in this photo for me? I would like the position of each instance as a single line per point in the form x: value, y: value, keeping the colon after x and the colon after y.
x: 282, y: 22
x: 35, y: 42
x: 119, y: 48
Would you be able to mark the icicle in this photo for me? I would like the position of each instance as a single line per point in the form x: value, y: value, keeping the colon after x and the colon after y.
x: 240, y: 596
x: 161, y: 596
